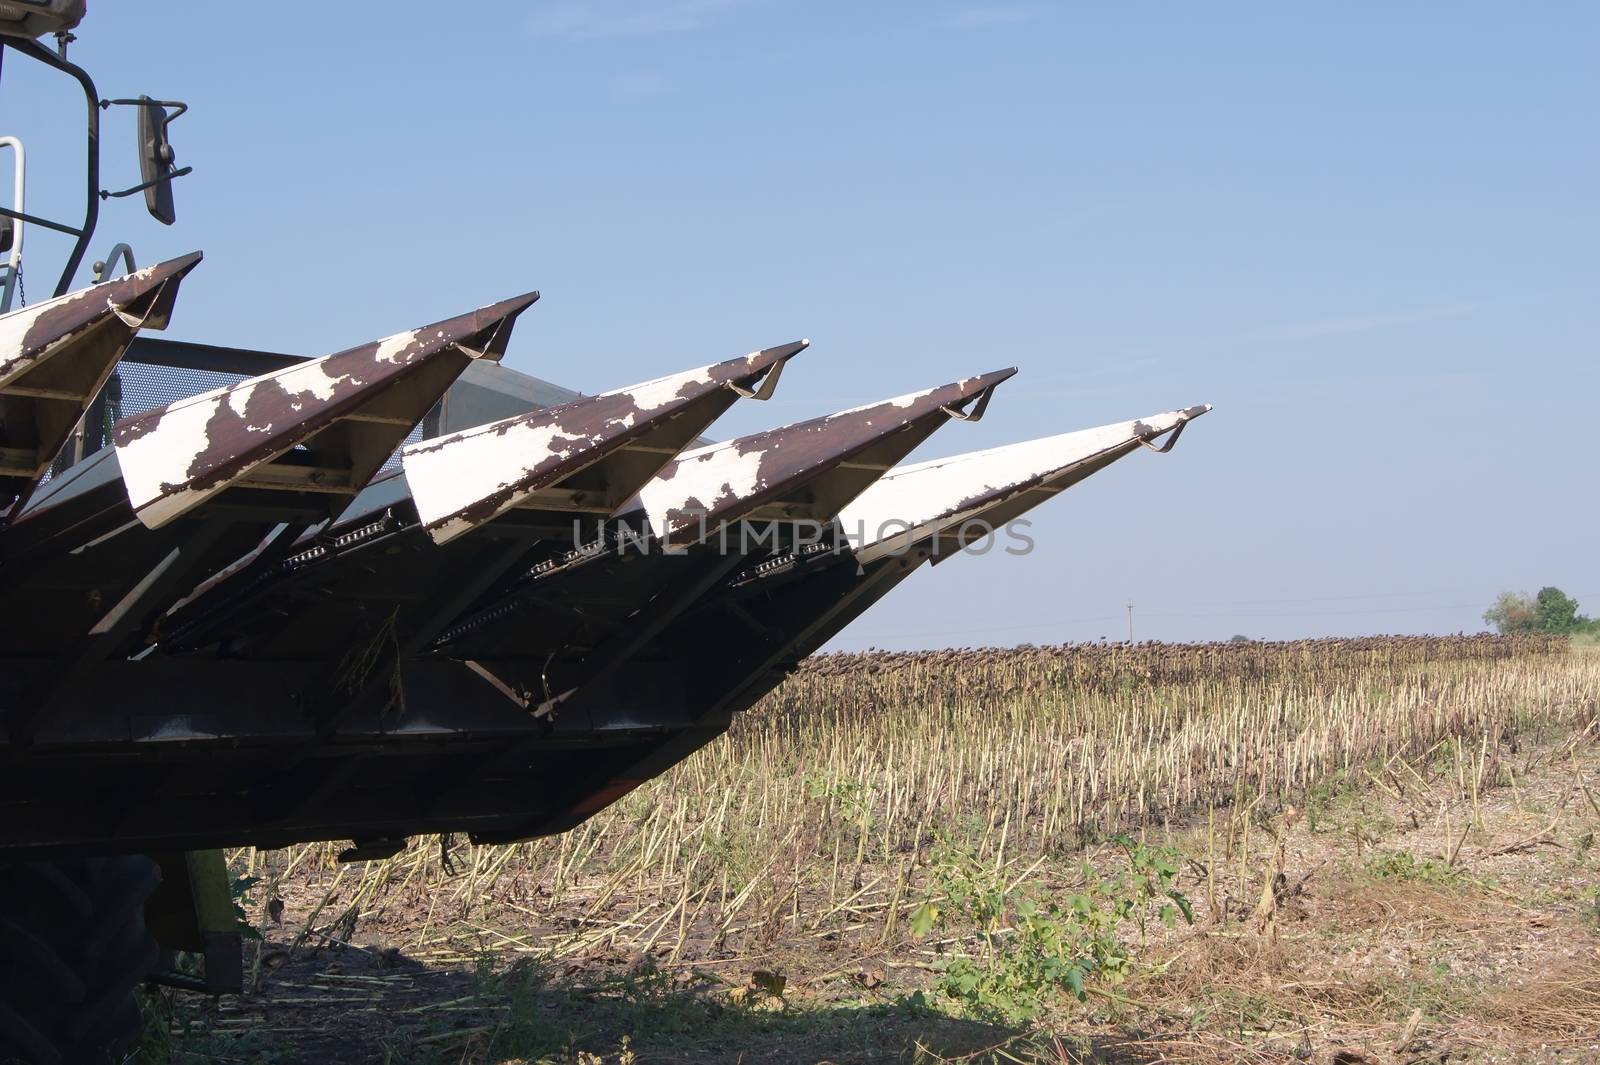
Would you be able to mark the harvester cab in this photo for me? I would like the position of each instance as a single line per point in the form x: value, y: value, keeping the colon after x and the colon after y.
x: 393, y: 590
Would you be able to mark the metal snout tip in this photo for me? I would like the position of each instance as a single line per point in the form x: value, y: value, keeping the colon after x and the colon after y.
x: 512, y: 306
x: 164, y: 271
x: 781, y: 353
x: 763, y: 369
x: 980, y: 388
x: 990, y: 379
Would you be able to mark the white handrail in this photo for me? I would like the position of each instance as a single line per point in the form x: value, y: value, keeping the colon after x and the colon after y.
x: 18, y: 203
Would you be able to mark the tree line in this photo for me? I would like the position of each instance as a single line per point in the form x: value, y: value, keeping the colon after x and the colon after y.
x: 1551, y: 610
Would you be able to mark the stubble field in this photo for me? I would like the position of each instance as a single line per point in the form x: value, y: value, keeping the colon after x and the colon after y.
x: 1344, y: 851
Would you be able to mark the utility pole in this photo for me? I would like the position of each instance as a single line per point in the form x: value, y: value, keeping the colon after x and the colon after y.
x: 1130, y: 622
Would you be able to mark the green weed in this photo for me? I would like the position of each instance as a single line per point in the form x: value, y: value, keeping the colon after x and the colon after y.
x: 1033, y: 947
x: 1400, y: 865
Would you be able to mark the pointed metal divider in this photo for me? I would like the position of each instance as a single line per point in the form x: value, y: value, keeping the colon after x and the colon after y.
x: 461, y: 481
x: 964, y: 497
x: 833, y: 458
x: 175, y: 458
x: 466, y: 482
x: 56, y: 355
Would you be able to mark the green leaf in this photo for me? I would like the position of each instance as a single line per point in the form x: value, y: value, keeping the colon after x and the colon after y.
x: 923, y: 919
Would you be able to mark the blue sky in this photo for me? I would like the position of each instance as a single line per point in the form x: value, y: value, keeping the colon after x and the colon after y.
x: 1366, y: 233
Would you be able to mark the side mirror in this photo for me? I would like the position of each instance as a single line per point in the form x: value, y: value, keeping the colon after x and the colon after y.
x: 156, y: 159
x: 155, y: 155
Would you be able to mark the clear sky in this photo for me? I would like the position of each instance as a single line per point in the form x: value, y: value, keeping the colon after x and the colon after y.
x: 1367, y: 233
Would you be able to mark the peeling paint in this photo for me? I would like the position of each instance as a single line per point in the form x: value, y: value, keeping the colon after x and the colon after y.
x: 32, y: 334
x: 175, y: 458
x: 463, y: 480
x: 722, y: 482
x: 914, y: 502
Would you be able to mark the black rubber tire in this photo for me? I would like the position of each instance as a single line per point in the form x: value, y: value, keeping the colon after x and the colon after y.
x: 73, y: 946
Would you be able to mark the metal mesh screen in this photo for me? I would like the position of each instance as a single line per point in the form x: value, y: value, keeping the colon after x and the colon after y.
x: 145, y: 387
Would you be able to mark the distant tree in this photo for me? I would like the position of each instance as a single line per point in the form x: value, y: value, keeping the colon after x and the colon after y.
x: 1556, y: 611
x: 1238, y: 638
x: 1512, y: 612
x: 1552, y: 610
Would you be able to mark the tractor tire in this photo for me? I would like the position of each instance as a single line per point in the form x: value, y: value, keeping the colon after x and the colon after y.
x: 73, y: 947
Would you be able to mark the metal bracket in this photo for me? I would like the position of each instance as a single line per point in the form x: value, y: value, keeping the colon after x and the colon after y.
x: 521, y: 699
x: 1176, y: 431
x: 106, y: 195
x: 103, y: 267
x: 768, y: 384
x: 976, y: 413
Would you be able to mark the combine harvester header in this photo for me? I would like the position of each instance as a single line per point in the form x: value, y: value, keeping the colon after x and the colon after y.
x: 477, y: 633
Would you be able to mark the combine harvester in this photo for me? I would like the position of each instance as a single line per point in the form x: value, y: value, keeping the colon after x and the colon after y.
x: 390, y: 591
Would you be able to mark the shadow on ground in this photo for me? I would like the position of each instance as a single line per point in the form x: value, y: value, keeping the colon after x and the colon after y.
x: 362, y: 1006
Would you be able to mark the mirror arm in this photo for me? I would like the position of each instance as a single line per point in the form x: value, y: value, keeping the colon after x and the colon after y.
x: 104, y: 195
x: 181, y: 107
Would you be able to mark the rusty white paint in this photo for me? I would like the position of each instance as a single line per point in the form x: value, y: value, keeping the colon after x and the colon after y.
x: 15, y: 360
x: 390, y: 348
x: 449, y: 475
x: 908, y: 400
x: 174, y: 458
x: 460, y: 481
x: 156, y: 466
x: 13, y: 331
x: 651, y: 396
x: 902, y: 402
x: 706, y: 479
x: 911, y: 503
x: 313, y: 378
x: 702, y: 475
